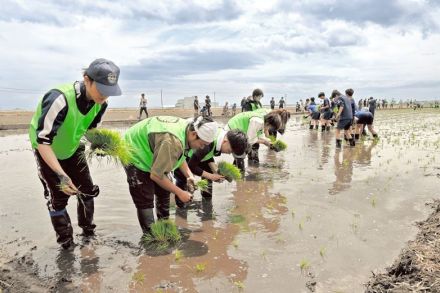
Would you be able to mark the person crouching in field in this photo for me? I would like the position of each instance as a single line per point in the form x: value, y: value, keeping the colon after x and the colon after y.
x: 202, y: 163
x: 344, y: 118
x: 362, y: 118
x: 256, y: 125
x: 160, y: 145
x: 63, y: 116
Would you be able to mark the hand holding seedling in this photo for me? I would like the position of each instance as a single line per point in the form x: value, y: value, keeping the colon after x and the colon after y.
x: 216, y: 177
x: 185, y: 196
x: 191, y: 184
x: 66, y: 185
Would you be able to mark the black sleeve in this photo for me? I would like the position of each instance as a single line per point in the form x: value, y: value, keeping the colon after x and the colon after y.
x: 98, y: 117
x: 247, y: 106
x: 194, y: 161
x: 53, y: 113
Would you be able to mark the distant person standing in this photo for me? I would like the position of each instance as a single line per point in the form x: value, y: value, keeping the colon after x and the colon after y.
x: 371, y: 105
x: 272, y: 103
x: 226, y: 110
x: 143, y: 106
x: 208, y: 105
x: 196, y: 106
x: 281, y: 103
x: 243, y: 104
x: 234, y: 109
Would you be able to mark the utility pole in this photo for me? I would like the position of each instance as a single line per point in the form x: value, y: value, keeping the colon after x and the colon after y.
x: 161, y: 99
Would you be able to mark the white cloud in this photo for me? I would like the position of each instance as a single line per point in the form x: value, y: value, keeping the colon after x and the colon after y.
x: 197, y: 47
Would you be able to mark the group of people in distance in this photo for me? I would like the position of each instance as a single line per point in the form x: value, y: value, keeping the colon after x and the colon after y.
x: 162, y: 145
x: 342, y: 110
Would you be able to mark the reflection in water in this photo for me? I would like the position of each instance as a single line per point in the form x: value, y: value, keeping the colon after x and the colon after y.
x: 255, y: 209
x: 344, y: 160
x: 88, y: 268
x: 325, y: 149
x: 65, y: 261
x: 206, y: 248
x: 343, y: 170
x: 89, y: 265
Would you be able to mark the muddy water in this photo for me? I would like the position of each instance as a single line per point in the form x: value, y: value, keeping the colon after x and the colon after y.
x: 309, y: 218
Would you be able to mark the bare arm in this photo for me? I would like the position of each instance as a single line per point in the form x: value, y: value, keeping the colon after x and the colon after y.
x: 166, y: 184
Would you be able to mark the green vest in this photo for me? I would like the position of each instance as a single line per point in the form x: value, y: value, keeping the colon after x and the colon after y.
x: 138, y: 137
x: 255, y: 106
x: 241, y: 120
x: 67, y: 140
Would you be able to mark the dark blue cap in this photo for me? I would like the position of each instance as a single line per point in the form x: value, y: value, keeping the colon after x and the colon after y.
x: 106, y: 74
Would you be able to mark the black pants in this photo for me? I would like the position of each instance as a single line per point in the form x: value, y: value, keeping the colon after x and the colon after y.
x: 181, y: 182
x: 77, y: 169
x: 145, y: 192
x: 143, y: 109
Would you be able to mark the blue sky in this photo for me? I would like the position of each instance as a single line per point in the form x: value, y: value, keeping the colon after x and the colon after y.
x: 294, y: 48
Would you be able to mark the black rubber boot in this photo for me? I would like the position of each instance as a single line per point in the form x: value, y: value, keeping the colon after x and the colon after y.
x: 356, y: 136
x: 207, y: 209
x: 253, y: 155
x: 352, y: 142
x: 208, y: 193
x: 63, y: 227
x: 311, y: 127
x: 322, y: 128
x: 162, y: 208
x: 316, y: 127
x: 239, y: 163
x: 146, y: 218
x: 339, y: 143
x: 328, y: 128
x: 85, y: 209
x: 375, y: 135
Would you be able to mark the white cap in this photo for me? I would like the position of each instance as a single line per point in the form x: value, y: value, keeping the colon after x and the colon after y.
x: 207, y: 131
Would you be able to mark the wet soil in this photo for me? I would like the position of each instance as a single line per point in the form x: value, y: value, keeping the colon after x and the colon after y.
x: 311, y: 218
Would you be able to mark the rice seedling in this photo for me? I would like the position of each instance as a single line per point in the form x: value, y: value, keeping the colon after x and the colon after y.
x: 178, y: 255
x: 322, y: 251
x: 373, y: 201
x: 237, y: 219
x: 138, y: 277
x: 301, y: 225
x: 200, y: 267
x: 107, y: 142
x: 304, y: 265
x: 202, y: 185
x: 239, y: 284
x: 279, y: 145
x: 163, y: 234
x: 235, y: 243
x: 228, y: 170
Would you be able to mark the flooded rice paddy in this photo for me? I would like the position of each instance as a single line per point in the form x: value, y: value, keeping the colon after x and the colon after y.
x: 311, y: 218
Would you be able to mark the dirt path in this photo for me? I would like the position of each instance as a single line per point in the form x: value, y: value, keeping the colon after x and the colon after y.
x: 417, y: 269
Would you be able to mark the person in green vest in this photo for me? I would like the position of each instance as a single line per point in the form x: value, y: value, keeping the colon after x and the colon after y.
x: 253, y: 102
x: 202, y: 163
x: 160, y: 145
x: 257, y: 125
x: 63, y: 116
